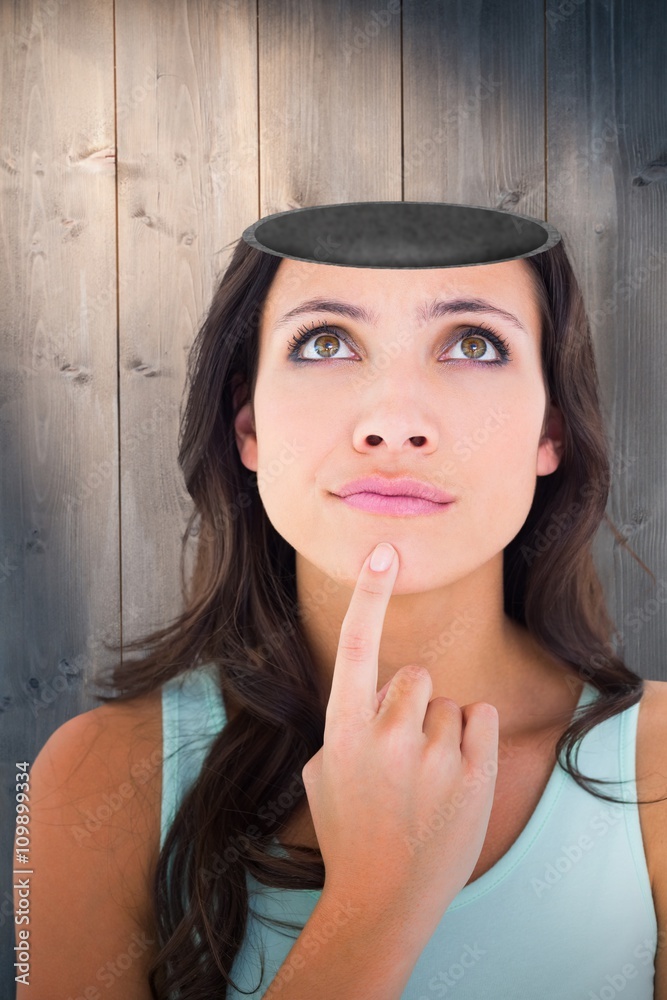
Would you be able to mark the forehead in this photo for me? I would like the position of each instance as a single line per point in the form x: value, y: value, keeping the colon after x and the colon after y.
x: 382, y: 291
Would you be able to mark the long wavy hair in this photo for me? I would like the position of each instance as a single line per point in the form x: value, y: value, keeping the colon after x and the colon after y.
x: 241, y: 614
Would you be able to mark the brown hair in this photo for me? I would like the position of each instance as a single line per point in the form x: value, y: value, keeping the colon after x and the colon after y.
x: 241, y: 614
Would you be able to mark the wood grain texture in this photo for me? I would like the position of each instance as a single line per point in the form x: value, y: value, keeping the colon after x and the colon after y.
x: 60, y: 578
x: 59, y: 544
x: 606, y: 132
x: 473, y: 98
x: 330, y: 102
x: 187, y: 185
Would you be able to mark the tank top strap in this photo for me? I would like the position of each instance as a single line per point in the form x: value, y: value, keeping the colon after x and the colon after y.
x: 193, y: 713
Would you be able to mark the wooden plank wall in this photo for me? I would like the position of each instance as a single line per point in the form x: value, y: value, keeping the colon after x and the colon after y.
x: 220, y: 112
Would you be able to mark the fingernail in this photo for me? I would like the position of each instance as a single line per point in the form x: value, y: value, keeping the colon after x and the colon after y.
x: 382, y: 557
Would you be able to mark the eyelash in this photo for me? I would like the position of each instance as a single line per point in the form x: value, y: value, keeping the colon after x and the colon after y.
x: 306, y: 333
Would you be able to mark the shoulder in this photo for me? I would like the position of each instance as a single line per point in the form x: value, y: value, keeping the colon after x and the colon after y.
x: 108, y: 749
x: 94, y: 794
x: 651, y: 762
x: 108, y: 761
x: 651, y: 767
x: 652, y: 727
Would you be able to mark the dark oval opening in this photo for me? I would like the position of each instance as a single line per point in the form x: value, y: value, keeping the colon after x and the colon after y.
x: 400, y: 234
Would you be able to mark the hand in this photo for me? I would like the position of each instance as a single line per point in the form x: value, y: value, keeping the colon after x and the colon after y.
x: 395, y: 764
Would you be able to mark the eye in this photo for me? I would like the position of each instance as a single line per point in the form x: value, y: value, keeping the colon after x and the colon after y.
x: 327, y: 339
x: 476, y: 346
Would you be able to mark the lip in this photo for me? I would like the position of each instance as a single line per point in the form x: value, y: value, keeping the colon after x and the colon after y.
x: 398, y: 497
x: 398, y: 487
x: 393, y: 506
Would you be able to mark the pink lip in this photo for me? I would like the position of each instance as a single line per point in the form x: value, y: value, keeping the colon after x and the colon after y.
x: 397, y: 506
x: 397, y: 487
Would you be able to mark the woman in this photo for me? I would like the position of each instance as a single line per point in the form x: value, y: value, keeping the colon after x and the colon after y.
x: 478, y: 384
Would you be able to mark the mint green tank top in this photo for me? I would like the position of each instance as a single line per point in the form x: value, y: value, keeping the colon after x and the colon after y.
x: 566, y: 913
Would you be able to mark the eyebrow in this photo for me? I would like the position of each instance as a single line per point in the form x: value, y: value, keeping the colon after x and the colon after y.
x: 428, y: 311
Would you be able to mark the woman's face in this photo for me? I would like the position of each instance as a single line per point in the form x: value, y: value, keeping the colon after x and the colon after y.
x: 395, y: 393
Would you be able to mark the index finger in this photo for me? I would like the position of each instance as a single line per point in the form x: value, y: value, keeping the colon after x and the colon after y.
x: 355, y: 676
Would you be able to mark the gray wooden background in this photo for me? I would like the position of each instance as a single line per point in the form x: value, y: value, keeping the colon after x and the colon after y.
x: 138, y: 138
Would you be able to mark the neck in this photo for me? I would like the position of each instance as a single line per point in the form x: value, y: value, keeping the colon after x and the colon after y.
x: 459, y: 632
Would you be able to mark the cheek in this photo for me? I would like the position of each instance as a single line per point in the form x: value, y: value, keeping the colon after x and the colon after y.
x: 291, y: 446
x: 483, y: 439
x: 506, y: 430
x: 496, y: 458
x: 307, y: 416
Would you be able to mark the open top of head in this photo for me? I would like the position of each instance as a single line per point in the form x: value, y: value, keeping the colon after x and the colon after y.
x: 405, y: 234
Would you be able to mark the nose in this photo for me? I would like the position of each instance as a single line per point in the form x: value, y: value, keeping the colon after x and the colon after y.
x: 395, y: 431
x: 397, y: 412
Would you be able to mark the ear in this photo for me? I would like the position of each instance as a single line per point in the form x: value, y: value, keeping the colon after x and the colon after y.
x: 551, y: 444
x: 244, y: 424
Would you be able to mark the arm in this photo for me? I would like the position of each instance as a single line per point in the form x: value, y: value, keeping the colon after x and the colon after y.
x: 94, y: 833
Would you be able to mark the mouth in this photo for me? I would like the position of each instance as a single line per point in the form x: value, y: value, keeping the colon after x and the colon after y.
x: 393, y: 506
